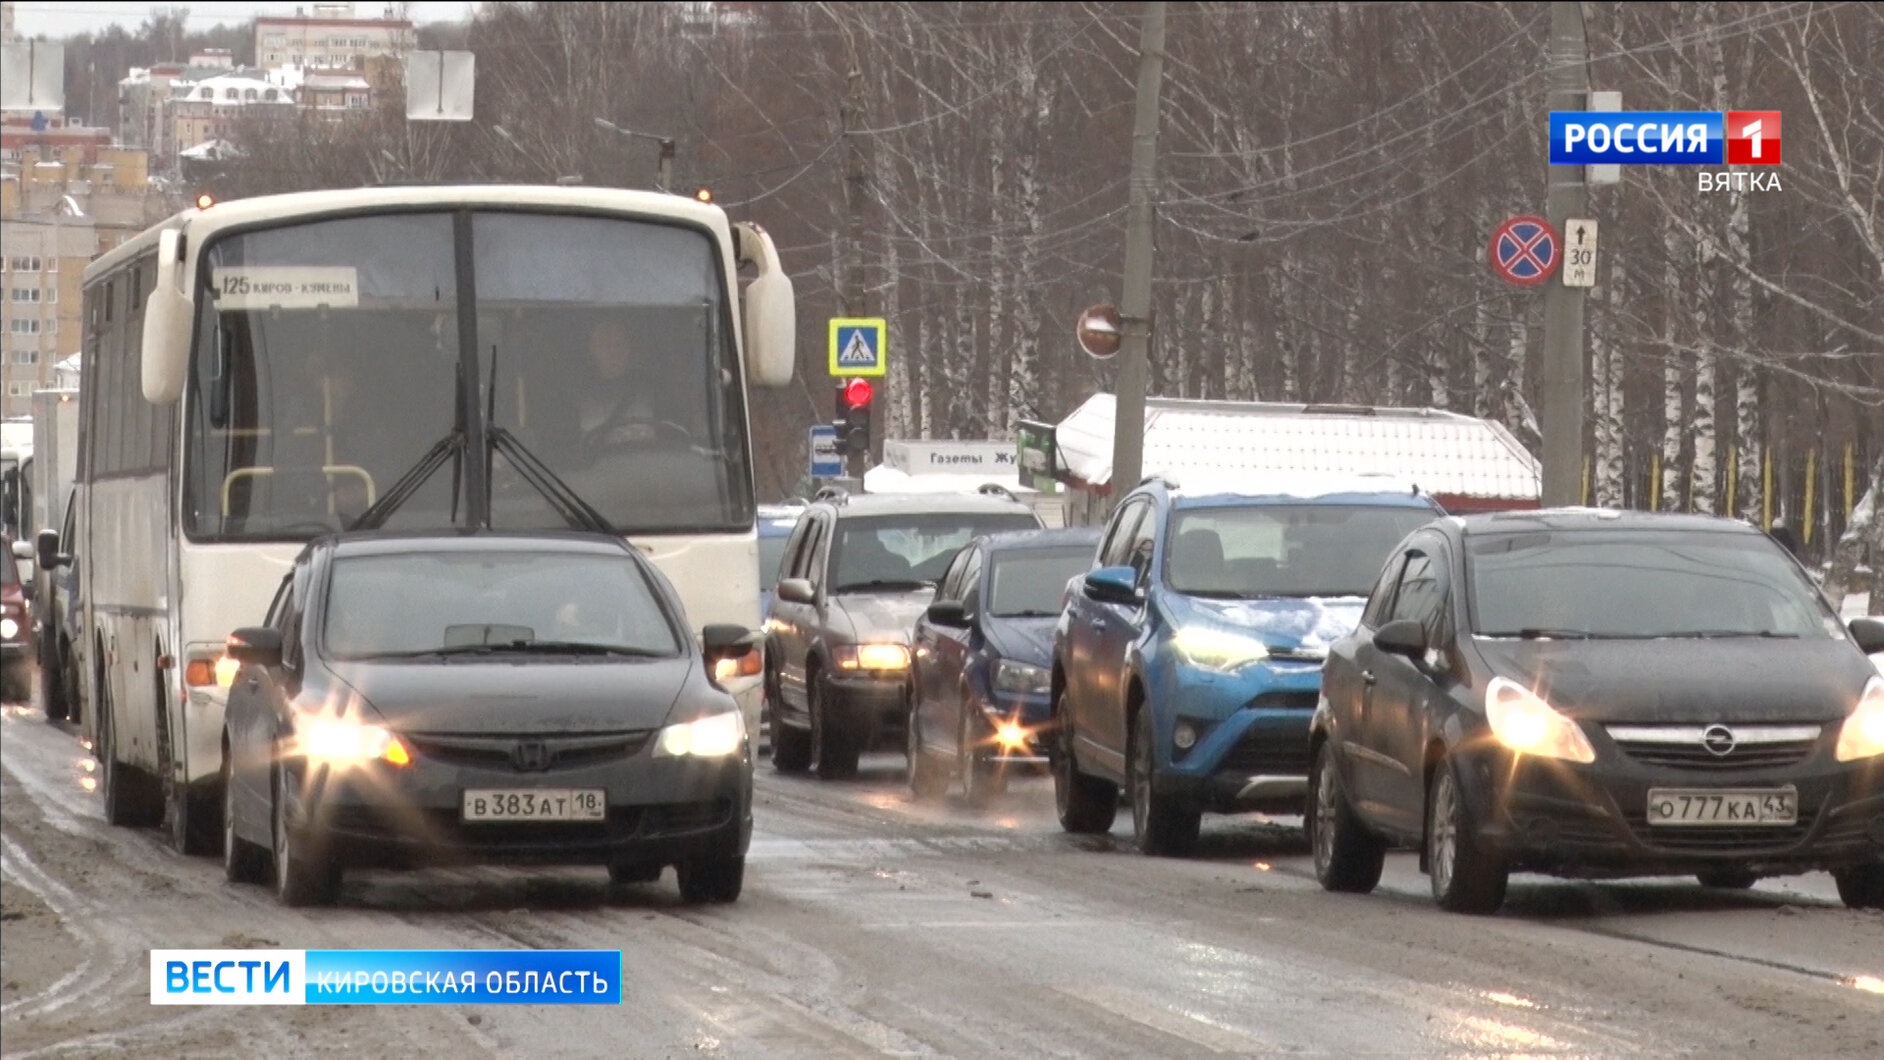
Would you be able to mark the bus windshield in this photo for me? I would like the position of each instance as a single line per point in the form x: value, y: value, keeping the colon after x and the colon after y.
x: 329, y: 357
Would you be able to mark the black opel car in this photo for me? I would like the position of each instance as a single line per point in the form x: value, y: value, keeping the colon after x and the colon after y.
x: 479, y: 698
x: 1599, y: 694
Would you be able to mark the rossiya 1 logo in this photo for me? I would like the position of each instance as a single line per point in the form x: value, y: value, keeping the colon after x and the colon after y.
x: 1687, y: 138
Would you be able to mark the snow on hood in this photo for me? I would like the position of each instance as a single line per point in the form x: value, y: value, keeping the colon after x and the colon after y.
x: 1305, y: 622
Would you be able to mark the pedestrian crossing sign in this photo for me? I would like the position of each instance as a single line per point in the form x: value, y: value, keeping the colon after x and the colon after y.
x: 859, y: 346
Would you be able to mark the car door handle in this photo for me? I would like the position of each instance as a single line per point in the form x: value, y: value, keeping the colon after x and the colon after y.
x: 1368, y: 678
x: 1096, y: 623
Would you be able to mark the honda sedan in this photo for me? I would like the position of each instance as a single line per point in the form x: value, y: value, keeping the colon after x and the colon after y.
x: 533, y: 699
x: 1599, y: 694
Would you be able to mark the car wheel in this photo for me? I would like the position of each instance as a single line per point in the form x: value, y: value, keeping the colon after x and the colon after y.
x: 791, y: 746
x: 927, y: 778
x: 129, y: 799
x: 1347, y: 857
x: 711, y: 880
x: 1860, y: 886
x: 1727, y: 879
x: 627, y: 872
x: 303, y: 875
x: 16, y: 683
x: 53, y: 694
x: 982, y: 776
x: 1086, y: 805
x: 1164, y: 826
x: 190, y: 816
x: 837, y: 752
x: 242, y: 861
x: 1466, y: 877
x: 69, y: 685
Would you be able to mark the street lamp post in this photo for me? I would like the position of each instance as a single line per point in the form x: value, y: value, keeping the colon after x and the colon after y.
x: 664, y: 168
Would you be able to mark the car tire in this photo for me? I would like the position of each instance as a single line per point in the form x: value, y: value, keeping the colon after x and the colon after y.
x: 1162, y: 825
x: 16, y: 682
x: 190, y: 817
x: 1860, y: 886
x: 303, y: 874
x: 54, y: 696
x: 836, y: 750
x: 624, y: 873
x: 132, y: 797
x: 242, y: 861
x: 713, y: 881
x: 927, y: 778
x: 1727, y: 879
x: 1086, y: 805
x: 1348, y: 858
x: 983, y: 779
x: 791, y: 746
x: 1466, y: 877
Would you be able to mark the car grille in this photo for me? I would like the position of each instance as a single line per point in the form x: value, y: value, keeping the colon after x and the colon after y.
x: 514, y: 753
x: 1747, y: 840
x: 1262, y: 754
x: 1683, y: 748
x: 1285, y: 701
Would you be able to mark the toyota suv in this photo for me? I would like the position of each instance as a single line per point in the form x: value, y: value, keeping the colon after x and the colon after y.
x: 857, y: 573
x: 1187, y: 662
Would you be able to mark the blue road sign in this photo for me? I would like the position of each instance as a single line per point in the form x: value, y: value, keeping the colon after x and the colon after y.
x: 826, y: 461
x: 1525, y: 251
x: 859, y: 347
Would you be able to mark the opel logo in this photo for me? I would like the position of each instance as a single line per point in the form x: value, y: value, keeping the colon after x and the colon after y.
x: 1718, y: 739
x: 533, y: 756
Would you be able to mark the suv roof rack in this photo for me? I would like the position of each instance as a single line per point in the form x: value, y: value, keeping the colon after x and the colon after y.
x: 834, y: 494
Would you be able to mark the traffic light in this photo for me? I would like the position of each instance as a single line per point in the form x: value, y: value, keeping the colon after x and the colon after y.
x: 853, y: 415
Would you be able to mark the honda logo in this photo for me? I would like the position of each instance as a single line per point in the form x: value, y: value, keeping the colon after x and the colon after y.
x: 531, y: 756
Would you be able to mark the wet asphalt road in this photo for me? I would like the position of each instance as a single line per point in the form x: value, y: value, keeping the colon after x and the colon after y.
x: 872, y: 925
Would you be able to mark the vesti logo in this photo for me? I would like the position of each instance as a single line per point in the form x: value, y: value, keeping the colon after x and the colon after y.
x: 1689, y: 138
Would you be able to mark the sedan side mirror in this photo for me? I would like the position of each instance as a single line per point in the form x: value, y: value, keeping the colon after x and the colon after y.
x: 1404, y: 636
x: 796, y: 591
x: 1869, y: 633
x: 47, y: 546
x: 256, y: 645
x: 1114, y: 585
x: 949, y: 613
x: 727, y: 640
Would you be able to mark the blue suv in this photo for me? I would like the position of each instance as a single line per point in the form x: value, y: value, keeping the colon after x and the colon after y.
x: 1187, y: 662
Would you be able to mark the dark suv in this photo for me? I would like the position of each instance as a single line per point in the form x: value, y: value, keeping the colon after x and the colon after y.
x: 1188, y: 661
x: 858, y: 571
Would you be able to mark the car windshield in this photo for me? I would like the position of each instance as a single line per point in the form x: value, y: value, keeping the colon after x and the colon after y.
x: 416, y: 604
x: 1263, y: 550
x: 1032, y: 582
x: 904, y: 551
x: 1639, y: 584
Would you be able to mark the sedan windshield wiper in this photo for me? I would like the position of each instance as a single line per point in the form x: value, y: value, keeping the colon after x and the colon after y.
x: 1724, y: 634
x: 1540, y: 633
x: 1025, y: 614
x: 420, y: 653
x: 576, y: 647
x: 877, y: 584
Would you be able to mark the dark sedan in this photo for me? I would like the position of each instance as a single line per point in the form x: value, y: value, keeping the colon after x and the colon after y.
x: 982, y: 675
x: 485, y: 698
x: 1599, y: 694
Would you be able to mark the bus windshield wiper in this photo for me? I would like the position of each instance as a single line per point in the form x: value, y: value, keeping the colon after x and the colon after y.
x: 577, y: 512
x: 451, y: 445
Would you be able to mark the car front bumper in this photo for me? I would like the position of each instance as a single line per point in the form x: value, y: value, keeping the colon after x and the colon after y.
x: 1592, y: 821
x: 1255, y: 758
x: 659, y: 811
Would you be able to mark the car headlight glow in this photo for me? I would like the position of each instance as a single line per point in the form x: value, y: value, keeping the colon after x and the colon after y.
x: 713, y: 736
x: 872, y: 657
x: 1022, y: 678
x: 1862, y: 735
x: 1218, y: 649
x: 8, y: 629
x: 344, y: 741
x: 1525, y: 723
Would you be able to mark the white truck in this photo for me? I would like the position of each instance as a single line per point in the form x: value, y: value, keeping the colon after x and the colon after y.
x: 54, y: 463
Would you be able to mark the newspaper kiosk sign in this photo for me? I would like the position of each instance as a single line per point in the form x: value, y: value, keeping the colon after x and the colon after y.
x: 1525, y: 251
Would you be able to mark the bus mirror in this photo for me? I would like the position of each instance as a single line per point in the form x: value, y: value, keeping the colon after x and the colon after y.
x: 771, y: 314
x: 167, y: 322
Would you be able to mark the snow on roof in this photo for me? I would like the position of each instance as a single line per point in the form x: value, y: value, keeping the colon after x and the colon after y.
x: 886, y: 479
x: 1444, y: 453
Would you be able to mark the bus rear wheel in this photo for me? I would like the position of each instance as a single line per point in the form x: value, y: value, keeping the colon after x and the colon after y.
x: 132, y: 798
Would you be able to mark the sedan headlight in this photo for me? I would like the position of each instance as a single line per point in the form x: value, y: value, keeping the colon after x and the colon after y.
x: 713, y: 736
x: 1217, y: 649
x: 1863, y: 733
x: 8, y: 629
x: 1022, y: 679
x: 871, y: 657
x: 1525, y: 723
x: 345, y: 742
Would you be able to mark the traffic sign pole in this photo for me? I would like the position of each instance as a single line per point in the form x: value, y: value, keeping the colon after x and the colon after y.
x: 1564, y: 370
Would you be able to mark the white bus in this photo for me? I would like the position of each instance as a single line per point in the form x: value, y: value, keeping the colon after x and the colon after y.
x: 264, y: 370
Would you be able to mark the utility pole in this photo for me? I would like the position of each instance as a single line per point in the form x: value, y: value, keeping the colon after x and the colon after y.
x: 851, y: 113
x: 1128, y: 431
x: 1568, y: 79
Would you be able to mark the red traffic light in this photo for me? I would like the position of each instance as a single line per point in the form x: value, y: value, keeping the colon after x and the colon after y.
x: 857, y: 393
